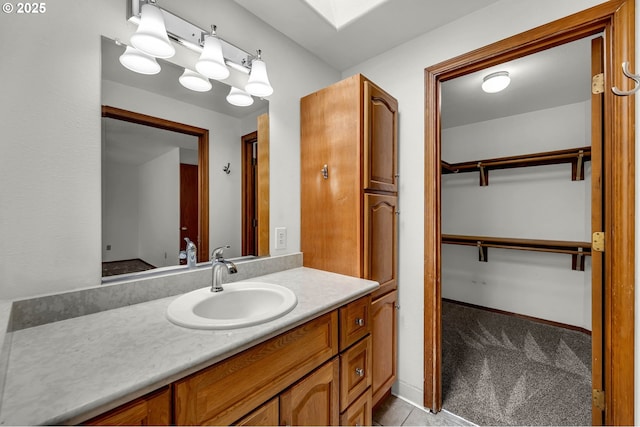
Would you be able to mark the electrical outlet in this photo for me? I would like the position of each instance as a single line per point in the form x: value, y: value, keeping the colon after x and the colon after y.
x: 281, y: 237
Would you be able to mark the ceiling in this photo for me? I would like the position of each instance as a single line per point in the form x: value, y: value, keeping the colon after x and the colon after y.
x: 357, y: 35
x: 344, y: 33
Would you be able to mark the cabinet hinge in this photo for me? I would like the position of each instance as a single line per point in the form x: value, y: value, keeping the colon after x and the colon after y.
x: 597, y: 241
x: 597, y: 84
x: 598, y: 399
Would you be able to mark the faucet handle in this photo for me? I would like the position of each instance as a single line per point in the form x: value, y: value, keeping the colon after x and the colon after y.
x: 217, y: 253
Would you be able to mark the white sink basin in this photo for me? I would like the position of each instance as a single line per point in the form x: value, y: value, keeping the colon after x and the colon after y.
x: 240, y: 304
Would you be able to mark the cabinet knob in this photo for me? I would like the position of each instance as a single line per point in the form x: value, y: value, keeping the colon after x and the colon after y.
x: 359, y: 321
x: 360, y: 372
x: 325, y: 171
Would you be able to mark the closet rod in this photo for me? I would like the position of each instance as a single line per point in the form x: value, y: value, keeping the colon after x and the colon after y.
x: 576, y: 156
x: 578, y: 250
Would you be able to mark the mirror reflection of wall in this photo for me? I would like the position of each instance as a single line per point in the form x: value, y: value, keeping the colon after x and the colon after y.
x: 162, y: 96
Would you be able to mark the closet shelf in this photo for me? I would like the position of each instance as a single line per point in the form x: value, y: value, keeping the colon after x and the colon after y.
x: 575, y: 156
x: 577, y: 250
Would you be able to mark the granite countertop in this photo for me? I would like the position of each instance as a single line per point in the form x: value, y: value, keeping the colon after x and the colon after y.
x: 68, y: 371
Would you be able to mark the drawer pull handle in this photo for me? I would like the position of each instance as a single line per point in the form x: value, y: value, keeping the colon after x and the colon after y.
x: 360, y: 372
x: 359, y: 321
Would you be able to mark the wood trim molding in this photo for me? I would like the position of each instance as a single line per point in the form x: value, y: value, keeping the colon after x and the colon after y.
x: 617, y: 19
x: 262, y: 182
x: 203, y: 164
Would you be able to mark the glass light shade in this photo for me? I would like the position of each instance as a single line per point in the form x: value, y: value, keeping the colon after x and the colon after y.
x: 151, y: 35
x: 239, y: 98
x: 211, y: 62
x: 258, y: 83
x: 194, y: 81
x: 495, y: 82
x: 139, y: 62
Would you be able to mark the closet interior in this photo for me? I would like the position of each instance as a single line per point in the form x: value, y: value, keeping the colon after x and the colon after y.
x: 516, y: 240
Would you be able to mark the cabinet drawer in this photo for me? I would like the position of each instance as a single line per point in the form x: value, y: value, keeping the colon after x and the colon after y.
x: 232, y: 388
x: 354, y: 321
x: 266, y: 415
x: 359, y: 413
x: 355, y: 372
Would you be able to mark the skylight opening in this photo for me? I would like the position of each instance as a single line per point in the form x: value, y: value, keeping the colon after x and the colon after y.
x: 340, y: 13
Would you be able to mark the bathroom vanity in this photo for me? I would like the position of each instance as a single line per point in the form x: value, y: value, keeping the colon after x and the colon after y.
x: 130, y: 365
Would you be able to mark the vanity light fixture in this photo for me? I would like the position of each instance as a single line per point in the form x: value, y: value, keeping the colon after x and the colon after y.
x: 211, y: 61
x: 239, y: 98
x: 258, y: 84
x: 158, y: 28
x: 495, y: 82
x: 195, y: 81
x: 139, y: 62
x: 151, y: 36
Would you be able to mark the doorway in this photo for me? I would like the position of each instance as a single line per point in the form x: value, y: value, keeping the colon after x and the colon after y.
x: 616, y: 396
x: 249, y: 194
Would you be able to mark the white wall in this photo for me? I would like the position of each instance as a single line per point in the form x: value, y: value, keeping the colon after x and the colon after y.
x: 159, y: 209
x: 50, y: 198
x: 119, y: 211
x: 540, y: 202
x: 400, y: 71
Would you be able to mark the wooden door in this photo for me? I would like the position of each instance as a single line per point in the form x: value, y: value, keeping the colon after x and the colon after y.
x: 266, y: 415
x: 380, y: 139
x: 381, y: 241
x: 151, y: 410
x: 597, y: 225
x: 188, y: 205
x: 314, y: 401
x: 249, y: 194
x: 384, y: 343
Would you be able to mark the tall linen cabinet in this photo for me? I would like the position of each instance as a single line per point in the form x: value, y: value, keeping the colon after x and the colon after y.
x: 349, y: 199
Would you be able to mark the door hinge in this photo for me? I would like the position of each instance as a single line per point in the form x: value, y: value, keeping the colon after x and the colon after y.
x: 597, y: 84
x: 598, y: 399
x: 597, y: 241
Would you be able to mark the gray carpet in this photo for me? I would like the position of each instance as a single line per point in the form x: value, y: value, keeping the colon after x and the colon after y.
x: 502, y: 370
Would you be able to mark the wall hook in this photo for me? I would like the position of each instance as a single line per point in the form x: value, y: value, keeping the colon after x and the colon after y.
x: 227, y: 169
x: 634, y: 77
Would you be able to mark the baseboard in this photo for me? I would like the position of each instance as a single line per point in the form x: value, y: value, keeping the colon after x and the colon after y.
x: 521, y: 316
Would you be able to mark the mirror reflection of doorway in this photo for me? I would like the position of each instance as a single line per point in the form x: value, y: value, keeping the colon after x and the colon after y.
x: 249, y: 194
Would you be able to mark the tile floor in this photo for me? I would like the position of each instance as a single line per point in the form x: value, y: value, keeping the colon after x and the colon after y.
x: 397, y: 412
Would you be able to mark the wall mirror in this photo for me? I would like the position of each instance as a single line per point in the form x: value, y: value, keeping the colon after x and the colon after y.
x: 178, y: 163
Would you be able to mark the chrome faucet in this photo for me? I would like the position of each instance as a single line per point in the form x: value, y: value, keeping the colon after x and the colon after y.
x: 217, y: 262
x: 191, y: 251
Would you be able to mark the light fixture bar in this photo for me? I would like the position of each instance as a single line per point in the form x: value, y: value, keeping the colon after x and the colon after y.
x: 192, y: 36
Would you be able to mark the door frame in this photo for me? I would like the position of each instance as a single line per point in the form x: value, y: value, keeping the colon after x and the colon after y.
x: 203, y: 164
x: 249, y: 196
x: 616, y: 19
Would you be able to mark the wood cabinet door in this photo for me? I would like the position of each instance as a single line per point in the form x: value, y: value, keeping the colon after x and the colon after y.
x: 384, y: 343
x: 266, y: 415
x: 380, y: 139
x: 330, y: 180
x: 314, y: 401
x: 152, y: 409
x: 355, y: 372
x: 381, y: 241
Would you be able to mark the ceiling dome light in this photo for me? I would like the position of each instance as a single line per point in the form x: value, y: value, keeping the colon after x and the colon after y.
x: 495, y: 82
x: 194, y: 81
x: 239, y: 98
x: 211, y: 62
x: 139, y: 62
x: 151, y: 35
x: 258, y: 83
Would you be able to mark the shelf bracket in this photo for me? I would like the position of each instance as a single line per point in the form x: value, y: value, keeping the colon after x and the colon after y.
x: 577, y: 167
x: 483, y: 252
x: 577, y: 261
x: 484, y: 175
